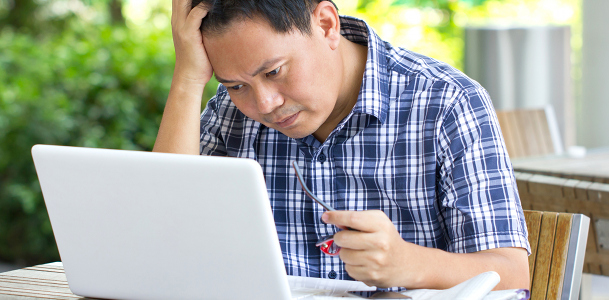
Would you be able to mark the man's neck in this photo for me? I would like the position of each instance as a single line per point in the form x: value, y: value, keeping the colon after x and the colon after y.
x: 354, y: 58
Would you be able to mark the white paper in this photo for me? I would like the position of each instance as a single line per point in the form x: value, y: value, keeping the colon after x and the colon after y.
x: 515, y: 294
x: 473, y: 289
x: 330, y: 285
x: 476, y: 288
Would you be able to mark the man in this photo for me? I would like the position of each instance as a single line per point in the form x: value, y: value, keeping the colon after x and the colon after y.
x: 406, y: 148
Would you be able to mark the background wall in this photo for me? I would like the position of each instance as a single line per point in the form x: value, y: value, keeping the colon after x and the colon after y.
x: 593, y: 114
x: 525, y: 67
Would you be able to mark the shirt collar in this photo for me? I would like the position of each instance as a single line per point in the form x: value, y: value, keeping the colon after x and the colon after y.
x: 373, y: 98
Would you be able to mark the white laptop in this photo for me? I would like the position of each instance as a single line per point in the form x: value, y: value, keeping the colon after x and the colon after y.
x: 142, y: 225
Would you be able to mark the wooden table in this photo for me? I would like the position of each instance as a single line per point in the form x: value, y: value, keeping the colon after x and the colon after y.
x: 46, y: 281
x: 594, y: 167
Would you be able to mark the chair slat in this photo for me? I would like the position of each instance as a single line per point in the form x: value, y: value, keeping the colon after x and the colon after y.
x: 507, y: 133
x: 517, y: 136
x: 559, y: 257
x: 544, y: 131
x: 528, y: 131
x: 544, y: 256
x: 533, y: 219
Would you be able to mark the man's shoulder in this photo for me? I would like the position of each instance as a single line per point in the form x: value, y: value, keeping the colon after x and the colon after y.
x: 415, y: 65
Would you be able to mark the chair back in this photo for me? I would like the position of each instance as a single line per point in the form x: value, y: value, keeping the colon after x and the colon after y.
x: 558, y: 243
x: 549, y: 193
x: 530, y: 132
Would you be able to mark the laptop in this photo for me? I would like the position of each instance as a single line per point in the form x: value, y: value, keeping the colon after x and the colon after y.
x: 143, y: 225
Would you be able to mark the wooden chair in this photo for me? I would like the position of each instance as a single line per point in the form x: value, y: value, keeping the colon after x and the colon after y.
x: 558, y: 242
x: 549, y: 193
x: 530, y: 132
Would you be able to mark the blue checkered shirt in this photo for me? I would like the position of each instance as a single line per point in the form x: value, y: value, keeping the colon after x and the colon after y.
x: 422, y: 144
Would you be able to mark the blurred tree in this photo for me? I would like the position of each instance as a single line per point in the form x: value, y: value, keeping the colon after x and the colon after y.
x: 116, y: 12
x: 20, y: 14
x: 36, y: 16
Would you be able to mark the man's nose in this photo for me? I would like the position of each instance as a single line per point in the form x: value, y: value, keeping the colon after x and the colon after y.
x: 267, y: 100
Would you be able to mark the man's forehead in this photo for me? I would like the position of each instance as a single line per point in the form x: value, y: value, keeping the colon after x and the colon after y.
x: 248, y: 48
x: 242, y: 21
x: 238, y: 23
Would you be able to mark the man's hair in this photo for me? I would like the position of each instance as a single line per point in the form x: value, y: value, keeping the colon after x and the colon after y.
x: 283, y: 15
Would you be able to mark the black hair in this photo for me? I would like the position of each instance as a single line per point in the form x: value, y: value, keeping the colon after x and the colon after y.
x: 283, y: 15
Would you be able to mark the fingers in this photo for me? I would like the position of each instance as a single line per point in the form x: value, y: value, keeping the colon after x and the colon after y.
x: 355, y: 240
x: 183, y: 14
x: 180, y: 10
x: 372, y: 259
x: 366, y: 221
x: 353, y: 257
x: 195, y: 18
x: 192, y: 63
x: 197, y: 14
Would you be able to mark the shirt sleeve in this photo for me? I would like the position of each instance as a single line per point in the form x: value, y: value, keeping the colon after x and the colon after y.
x: 211, y: 141
x: 477, y: 190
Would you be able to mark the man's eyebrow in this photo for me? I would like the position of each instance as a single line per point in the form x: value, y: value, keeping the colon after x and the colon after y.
x: 223, y: 80
x: 267, y: 64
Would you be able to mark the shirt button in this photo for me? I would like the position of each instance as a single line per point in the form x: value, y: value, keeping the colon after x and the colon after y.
x: 321, y: 158
x: 332, y: 274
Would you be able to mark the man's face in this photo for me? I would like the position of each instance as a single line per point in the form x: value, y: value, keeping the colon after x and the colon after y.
x: 289, y: 82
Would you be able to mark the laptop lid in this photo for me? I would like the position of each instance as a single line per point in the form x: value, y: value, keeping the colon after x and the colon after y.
x: 142, y: 225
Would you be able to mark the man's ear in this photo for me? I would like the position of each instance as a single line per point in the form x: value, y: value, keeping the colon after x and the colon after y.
x: 325, y: 20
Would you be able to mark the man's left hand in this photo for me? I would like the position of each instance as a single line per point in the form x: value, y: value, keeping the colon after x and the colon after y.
x: 376, y: 253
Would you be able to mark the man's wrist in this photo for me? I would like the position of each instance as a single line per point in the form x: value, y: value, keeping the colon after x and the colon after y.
x: 187, y: 89
x: 423, y: 267
x: 187, y: 74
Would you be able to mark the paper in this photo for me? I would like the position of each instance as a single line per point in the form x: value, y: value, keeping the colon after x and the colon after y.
x: 477, y: 288
x: 517, y: 294
x: 330, y: 285
x: 473, y: 289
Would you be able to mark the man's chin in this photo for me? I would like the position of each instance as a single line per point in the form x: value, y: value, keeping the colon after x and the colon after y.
x: 295, y: 133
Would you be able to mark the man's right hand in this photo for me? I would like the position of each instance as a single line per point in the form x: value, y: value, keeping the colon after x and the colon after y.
x: 192, y: 64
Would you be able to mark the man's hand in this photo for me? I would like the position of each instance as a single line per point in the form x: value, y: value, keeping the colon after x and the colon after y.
x: 376, y: 254
x: 192, y: 64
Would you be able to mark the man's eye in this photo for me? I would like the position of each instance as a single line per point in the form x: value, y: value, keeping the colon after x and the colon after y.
x: 236, y: 87
x: 274, y: 72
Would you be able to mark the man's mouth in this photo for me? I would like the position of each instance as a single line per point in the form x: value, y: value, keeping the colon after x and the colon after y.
x: 288, y: 121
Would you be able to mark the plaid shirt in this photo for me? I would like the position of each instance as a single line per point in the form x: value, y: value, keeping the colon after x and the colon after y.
x: 422, y: 144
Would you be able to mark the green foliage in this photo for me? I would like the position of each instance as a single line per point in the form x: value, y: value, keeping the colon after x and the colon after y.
x: 94, y: 86
x: 424, y: 26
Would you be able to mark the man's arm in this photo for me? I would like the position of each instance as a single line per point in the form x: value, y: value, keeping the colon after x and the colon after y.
x: 377, y: 255
x: 477, y: 198
x: 180, y: 127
